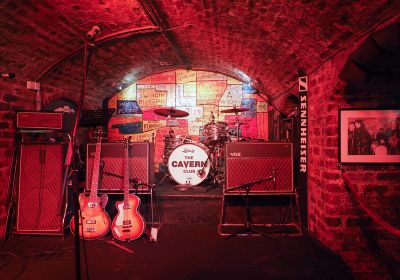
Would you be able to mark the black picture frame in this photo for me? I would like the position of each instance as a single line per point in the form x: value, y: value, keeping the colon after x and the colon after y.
x: 369, y: 136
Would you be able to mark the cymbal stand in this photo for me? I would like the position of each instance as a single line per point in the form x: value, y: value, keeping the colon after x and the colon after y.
x: 171, y: 133
x: 237, y: 124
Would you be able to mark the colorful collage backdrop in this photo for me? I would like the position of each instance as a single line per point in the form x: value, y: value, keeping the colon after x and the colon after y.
x: 197, y: 92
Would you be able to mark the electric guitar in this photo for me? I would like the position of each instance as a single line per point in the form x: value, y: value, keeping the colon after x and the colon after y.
x: 128, y: 224
x: 94, y: 222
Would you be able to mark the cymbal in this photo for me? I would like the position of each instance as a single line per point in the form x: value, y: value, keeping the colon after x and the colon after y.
x: 170, y: 112
x: 235, y: 110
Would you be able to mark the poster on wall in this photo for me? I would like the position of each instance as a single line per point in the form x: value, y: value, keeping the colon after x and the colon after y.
x: 369, y: 136
x: 128, y: 107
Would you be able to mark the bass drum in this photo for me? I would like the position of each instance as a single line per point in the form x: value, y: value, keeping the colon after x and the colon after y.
x: 187, y: 164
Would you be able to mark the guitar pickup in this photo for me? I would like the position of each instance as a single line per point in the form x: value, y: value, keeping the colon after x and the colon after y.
x: 91, y: 222
x: 126, y: 222
x: 125, y: 230
x: 90, y: 230
x: 92, y: 204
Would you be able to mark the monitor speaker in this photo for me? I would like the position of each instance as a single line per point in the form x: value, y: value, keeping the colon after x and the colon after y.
x: 250, y: 162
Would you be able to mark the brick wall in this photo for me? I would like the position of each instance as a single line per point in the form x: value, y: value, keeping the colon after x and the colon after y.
x: 334, y: 218
x: 13, y: 97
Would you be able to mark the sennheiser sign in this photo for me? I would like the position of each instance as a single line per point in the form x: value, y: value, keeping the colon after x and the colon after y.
x: 303, y: 89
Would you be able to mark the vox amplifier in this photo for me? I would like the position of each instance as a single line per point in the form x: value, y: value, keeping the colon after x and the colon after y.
x: 141, y: 165
x: 250, y: 162
x: 40, y: 176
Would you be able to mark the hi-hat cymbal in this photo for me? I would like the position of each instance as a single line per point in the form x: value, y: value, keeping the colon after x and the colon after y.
x: 235, y: 110
x: 170, y: 112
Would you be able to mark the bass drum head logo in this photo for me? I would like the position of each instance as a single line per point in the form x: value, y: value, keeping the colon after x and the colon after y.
x: 187, y: 164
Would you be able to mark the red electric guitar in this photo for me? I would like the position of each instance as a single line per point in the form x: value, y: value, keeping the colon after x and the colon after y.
x: 128, y: 224
x: 94, y: 222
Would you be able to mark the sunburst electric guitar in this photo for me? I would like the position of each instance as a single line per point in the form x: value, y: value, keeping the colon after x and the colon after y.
x: 128, y: 224
x: 94, y: 222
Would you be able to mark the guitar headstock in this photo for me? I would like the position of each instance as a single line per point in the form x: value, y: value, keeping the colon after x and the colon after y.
x: 98, y: 135
x: 127, y: 141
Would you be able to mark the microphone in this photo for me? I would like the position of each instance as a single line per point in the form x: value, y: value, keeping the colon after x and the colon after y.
x: 8, y: 75
x: 92, y: 34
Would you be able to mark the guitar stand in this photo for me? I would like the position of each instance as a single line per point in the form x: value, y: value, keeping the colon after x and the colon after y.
x: 248, y: 228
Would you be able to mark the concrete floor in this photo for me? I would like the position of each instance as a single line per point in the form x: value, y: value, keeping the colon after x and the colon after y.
x: 182, y: 251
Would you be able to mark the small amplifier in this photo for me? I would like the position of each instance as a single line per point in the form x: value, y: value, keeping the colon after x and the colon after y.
x: 40, y: 120
x: 250, y: 162
x: 141, y: 166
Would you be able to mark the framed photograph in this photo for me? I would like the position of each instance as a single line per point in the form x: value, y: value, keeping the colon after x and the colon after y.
x: 369, y: 136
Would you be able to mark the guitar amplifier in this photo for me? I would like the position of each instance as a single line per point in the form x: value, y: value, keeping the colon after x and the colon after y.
x: 141, y: 166
x: 40, y: 177
x: 40, y: 120
x: 249, y: 162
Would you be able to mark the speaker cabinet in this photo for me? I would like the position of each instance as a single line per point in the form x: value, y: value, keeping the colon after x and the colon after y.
x: 39, y: 188
x: 141, y: 165
x: 249, y: 162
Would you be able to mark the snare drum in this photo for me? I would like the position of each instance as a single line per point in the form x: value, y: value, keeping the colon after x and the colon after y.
x: 187, y: 164
x: 213, y: 132
x: 172, y: 142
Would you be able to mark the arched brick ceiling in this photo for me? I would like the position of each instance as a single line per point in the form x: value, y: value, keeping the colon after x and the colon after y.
x: 267, y: 40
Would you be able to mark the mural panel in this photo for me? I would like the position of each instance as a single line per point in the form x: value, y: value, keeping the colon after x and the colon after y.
x: 200, y: 93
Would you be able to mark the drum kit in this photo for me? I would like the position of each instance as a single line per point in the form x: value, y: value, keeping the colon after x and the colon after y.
x: 190, y: 162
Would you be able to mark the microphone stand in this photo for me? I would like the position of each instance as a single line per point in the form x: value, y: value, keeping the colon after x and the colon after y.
x: 71, y: 164
x: 248, y: 228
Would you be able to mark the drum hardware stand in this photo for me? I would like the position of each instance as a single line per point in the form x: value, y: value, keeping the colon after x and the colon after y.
x: 248, y: 228
x: 201, y: 171
x: 237, y: 124
x: 184, y: 187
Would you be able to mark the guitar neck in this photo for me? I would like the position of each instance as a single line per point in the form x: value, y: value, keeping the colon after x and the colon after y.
x: 95, y: 173
x: 126, y: 174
